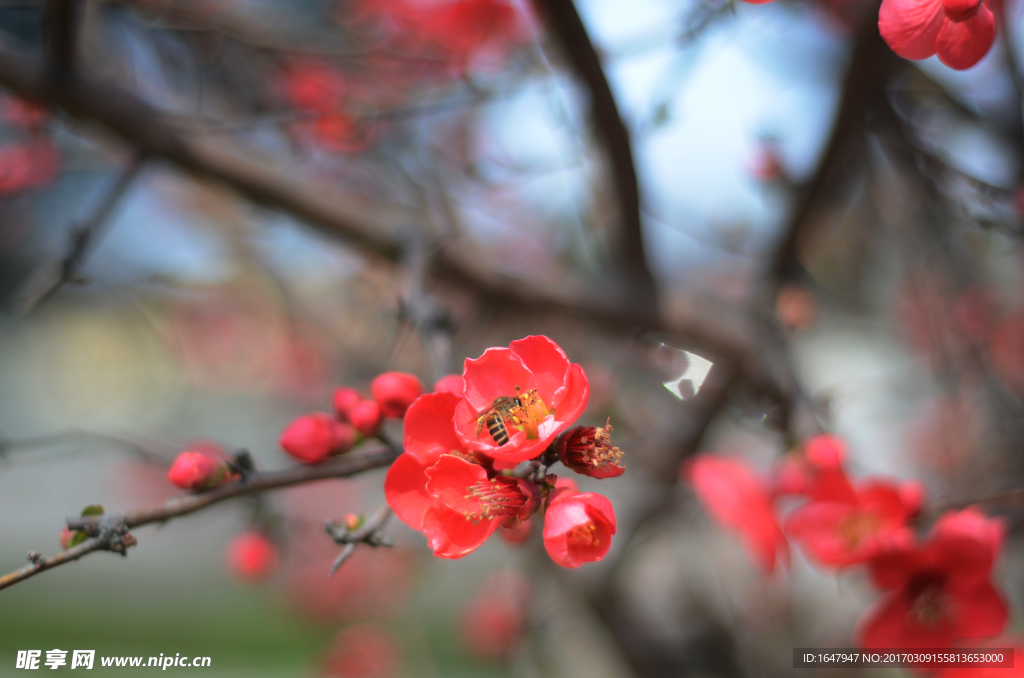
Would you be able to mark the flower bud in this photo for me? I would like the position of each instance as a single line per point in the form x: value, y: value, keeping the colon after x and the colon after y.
x: 198, y: 471
x: 450, y: 384
x: 395, y: 392
x: 314, y: 437
x: 365, y: 416
x: 66, y: 535
x: 344, y: 400
x: 251, y: 557
x: 588, y: 450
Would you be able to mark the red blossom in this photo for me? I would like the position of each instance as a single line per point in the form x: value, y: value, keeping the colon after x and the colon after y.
x: 366, y: 416
x: 939, y: 591
x: 845, y: 529
x: 395, y: 392
x: 344, y: 400
x: 517, y: 534
x: 553, y: 394
x: 493, y: 622
x: 251, y: 557
x: 450, y: 384
x: 25, y: 166
x: 198, y: 470
x: 578, y: 527
x: 438, y: 488
x: 314, y: 437
x: 741, y: 502
x: 961, y: 32
x: 362, y: 651
x: 588, y: 450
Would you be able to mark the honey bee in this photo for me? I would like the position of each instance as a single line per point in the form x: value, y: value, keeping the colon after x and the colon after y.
x: 494, y: 417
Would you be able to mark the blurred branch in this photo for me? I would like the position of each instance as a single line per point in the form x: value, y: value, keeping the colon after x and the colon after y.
x: 43, y: 286
x: 60, y: 24
x: 870, y: 68
x: 8, y: 445
x: 567, y: 27
x: 99, y: 527
x: 39, y: 564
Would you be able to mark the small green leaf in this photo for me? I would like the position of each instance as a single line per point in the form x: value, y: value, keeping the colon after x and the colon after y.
x: 92, y: 510
x: 79, y: 537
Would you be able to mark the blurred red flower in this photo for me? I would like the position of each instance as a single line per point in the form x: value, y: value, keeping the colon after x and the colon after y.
x: 25, y: 166
x: 741, y: 502
x: 961, y: 32
x: 553, y: 392
x: 251, y: 557
x: 938, y: 591
x: 494, y: 621
x: 314, y: 437
x: 363, y: 651
x: 395, y: 392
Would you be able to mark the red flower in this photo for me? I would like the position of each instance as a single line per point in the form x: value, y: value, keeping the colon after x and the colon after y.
x: 362, y: 651
x: 450, y: 384
x: 312, y: 86
x: 434, y: 488
x: 197, y: 470
x: 578, y: 527
x: 960, y: 31
x: 344, y: 400
x: 844, y: 529
x: 395, y: 392
x: 741, y: 502
x: 27, y: 166
x: 366, y: 416
x: 251, y: 557
x: 588, y: 450
x: 939, y: 591
x: 552, y: 394
x: 495, y: 620
x: 314, y: 437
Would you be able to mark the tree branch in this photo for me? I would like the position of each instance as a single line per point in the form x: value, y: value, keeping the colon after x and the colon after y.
x: 565, y: 24
x: 61, y: 38
x: 40, y: 288
x: 95, y: 526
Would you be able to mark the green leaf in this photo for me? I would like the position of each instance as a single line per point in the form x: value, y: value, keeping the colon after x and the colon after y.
x: 92, y: 510
x: 79, y: 537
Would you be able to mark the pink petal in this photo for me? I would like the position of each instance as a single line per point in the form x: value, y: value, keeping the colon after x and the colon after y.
x: 910, y: 27
x: 961, y: 45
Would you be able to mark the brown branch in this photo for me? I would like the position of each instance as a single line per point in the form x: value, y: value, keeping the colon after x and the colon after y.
x: 61, y: 38
x: 565, y: 24
x: 82, y: 238
x: 97, y: 526
x: 369, y: 533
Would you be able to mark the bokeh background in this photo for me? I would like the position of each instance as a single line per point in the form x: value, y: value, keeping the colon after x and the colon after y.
x: 835, y: 230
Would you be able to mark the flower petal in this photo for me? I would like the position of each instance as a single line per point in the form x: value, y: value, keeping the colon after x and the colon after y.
x: 454, y: 536
x: 962, y: 44
x: 405, y: 488
x: 496, y: 373
x: 981, y: 612
x: 429, y: 426
x: 910, y: 27
x: 545, y: 360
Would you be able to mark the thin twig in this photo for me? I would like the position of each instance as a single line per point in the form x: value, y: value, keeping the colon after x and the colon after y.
x: 82, y: 239
x: 8, y: 445
x: 342, y: 467
x: 369, y: 533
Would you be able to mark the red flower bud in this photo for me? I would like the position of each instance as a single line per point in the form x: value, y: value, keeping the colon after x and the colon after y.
x: 588, y: 450
x: 344, y: 400
x: 251, y: 557
x: 198, y: 471
x: 451, y: 384
x: 66, y: 535
x: 314, y: 437
x: 517, y: 534
x: 395, y: 391
x: 365, y: 416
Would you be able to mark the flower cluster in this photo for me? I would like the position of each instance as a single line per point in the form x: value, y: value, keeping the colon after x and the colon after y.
x: 458, y: 480
x: 313, y: 437
x: 937, y: 589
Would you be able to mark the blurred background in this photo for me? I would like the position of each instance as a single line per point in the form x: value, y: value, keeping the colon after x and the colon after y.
x: 250, y: 203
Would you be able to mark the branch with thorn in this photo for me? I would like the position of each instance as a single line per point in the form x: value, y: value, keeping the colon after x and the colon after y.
x: 358, y: 530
